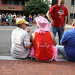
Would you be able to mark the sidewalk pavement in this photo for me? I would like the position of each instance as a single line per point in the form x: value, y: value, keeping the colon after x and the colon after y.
x: 11, y: 66
x: 33, y: 67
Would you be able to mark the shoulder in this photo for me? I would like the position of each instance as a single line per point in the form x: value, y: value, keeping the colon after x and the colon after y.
x: 53, y: 7
x: 68, y: 32
x: 64, y: 7
x: 14, y: 30
x: 32, y: 36
x: 25, y: 32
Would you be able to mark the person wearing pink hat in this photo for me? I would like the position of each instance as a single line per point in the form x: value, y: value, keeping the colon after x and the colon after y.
x: 43, y: 40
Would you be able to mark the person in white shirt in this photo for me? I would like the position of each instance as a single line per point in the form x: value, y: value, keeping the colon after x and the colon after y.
x: 14, y: 15
x: 24, y: 17
x: 0, y: 19
x: 20, y: 40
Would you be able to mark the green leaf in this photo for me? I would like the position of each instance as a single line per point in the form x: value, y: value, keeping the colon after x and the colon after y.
x: 37, y: 7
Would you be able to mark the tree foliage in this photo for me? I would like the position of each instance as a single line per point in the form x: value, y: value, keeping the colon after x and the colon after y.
x: 37, y: 7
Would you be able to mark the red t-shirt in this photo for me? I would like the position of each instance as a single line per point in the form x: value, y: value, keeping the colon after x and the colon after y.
x: 43, y: 46
x: 58, y: 15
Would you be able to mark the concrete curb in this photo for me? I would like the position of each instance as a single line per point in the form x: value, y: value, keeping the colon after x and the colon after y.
x: 27, y: 59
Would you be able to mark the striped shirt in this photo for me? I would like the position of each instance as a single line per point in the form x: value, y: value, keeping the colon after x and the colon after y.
x: 19, y: 39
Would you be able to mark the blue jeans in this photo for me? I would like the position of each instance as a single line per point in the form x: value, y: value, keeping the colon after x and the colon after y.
x: 30, y: 21
x: 60, y: 31
x: 62, y: 51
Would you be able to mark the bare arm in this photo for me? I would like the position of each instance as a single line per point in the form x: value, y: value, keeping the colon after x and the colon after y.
x: 32, y: 37
x: 54, y: 41
x: 65, y: 22
x: 29, y: 46
x: 50, y: 18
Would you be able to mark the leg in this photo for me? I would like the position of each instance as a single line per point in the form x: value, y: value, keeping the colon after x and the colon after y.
x: 60, y: 33
x: 62, y: 51
x: 53, y: 30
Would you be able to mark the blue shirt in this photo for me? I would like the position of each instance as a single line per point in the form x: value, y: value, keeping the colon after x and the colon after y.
x: 68, y: 40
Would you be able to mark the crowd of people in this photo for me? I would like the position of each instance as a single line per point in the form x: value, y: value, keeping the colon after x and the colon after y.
x: 10, y: 19
x: 42, y: 44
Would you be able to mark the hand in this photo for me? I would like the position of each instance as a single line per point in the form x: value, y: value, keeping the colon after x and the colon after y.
x: 52, y: 23
x: 28, y: 30
x: 63, y: 28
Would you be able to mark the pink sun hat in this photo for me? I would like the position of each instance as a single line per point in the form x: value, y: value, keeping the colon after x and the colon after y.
x: 42, y: 23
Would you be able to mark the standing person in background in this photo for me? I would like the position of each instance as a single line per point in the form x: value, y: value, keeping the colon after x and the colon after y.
x: 7, y: 19
x: 14, y: 15
x: 30, y: 19
x: 24, y: 17
x: 10, y: 19
x: 20, y: 17
x: 14, y: 20
x: 3, y: 19
x: 0, y: 19
x: 17, y: 17
x: 34, y: 16
x: 57, y: 14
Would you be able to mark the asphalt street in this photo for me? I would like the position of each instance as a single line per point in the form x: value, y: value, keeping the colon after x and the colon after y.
x: 5, y: 38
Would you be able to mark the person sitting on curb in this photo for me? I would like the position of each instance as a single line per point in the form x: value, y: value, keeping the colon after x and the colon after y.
x: 43, y: 40
x: 20, y: 40
x: 68, y: 40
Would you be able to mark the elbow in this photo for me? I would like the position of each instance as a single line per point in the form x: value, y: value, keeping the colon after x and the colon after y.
x: 29, y: 46
x: 55, y: 44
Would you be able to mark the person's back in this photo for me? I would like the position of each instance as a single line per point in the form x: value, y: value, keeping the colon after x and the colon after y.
x: 69, y: 42
x: 20, y: 40
x: 43, y: 46
x: 18, y: 50
x: 43, y: 40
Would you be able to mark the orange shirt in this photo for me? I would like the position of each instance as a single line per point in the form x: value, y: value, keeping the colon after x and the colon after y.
x: 43, y: 46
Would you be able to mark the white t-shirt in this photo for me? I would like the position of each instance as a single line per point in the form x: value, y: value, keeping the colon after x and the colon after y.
x: 20, y: 39
x: 0, y: 16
